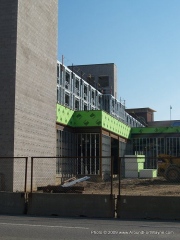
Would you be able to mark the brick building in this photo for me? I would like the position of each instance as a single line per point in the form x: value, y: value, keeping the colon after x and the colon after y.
x: 28, y: 31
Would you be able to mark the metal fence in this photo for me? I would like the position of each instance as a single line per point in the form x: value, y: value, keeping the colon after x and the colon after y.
x: 129, y: 175
x: 148, y: 176
x: 89, y: 174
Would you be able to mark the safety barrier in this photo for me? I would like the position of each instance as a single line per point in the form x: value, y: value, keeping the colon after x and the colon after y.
x: 12, y: 203
x: 34, y: 187
x: 71, y: 205
x: 148, y: 207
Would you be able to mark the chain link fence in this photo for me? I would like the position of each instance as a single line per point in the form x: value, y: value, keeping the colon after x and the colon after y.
x: 129, y: 175
x: 88, y: 175
x: 142, y: 175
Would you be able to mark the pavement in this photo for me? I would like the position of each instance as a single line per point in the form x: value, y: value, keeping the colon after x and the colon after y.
x: 53, y: 228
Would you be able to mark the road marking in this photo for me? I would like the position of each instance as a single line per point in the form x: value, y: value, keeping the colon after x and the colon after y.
x: 33, y: 225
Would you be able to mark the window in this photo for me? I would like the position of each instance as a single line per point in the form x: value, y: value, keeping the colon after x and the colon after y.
x: 85, y: 107
x: 92, y: 95
x: 76, y: 104
x: 103, y: 81
x: 77, y: 83
x: 67, y: 80
x: 85, y: 92
x: 68, y: 77
x: 66, y: 99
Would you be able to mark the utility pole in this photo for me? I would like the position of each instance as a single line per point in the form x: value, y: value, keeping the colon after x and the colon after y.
x: 170, y: 112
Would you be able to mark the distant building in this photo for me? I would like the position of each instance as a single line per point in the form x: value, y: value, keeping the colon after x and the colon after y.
x: 143, y: 115
x: 103, y: 77
x: 165, y: 123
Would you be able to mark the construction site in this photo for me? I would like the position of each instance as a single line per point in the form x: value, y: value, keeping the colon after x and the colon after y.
x: 69, y: 146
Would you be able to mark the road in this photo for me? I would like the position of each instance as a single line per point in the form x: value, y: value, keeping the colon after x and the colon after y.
x: 53, y: 228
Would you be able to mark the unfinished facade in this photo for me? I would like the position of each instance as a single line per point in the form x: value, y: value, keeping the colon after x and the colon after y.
x: 28, y: 33
x: 91, y: 125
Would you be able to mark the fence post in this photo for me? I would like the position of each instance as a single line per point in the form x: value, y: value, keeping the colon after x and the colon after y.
x: 119, y: 170
x: 25, y: 184
x: 112, y: 158
x: 32, y: 173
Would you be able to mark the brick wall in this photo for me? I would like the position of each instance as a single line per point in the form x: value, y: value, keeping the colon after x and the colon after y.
x: 28, y: 62
x: 35, y: 101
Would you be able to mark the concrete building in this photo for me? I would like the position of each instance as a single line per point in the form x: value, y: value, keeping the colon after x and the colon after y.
x: 103, y: 77
x: 28, y: 59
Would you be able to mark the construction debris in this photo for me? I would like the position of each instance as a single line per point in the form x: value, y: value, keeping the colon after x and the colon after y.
x: 73, y: 181
x: 67, y: 186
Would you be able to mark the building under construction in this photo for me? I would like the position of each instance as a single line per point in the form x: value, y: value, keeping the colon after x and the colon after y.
x: 93, y: 125
x: 48, y: 109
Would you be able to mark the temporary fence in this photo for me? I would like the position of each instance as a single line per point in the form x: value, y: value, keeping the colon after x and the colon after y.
x: 87, y: 174
x: 129, y: 175
x: 147, y: 176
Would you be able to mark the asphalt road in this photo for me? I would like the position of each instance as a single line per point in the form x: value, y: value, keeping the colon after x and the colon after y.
x: 26, y: 228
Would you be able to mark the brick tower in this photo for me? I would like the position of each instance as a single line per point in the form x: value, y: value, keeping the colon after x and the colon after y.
x: 28, y: 61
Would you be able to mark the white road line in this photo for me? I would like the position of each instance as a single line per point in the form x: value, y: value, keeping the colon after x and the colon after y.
x: 47, y: 226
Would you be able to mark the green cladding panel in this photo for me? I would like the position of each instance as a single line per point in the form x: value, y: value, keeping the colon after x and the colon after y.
x: 155, y: 130
x: 92, y: 118
x: 115, y: 126
x: 98, y: 118
x: 64, y: 115
x: 87, y: 118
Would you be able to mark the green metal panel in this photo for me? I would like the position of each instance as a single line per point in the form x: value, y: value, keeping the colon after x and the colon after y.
x: 64, y: 115
x: 93, y: 118
x: 87, y: 118
x: 113, y: 125
x: 155, y: 130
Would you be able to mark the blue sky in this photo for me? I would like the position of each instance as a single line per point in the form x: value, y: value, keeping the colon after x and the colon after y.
x: 142, y: 37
